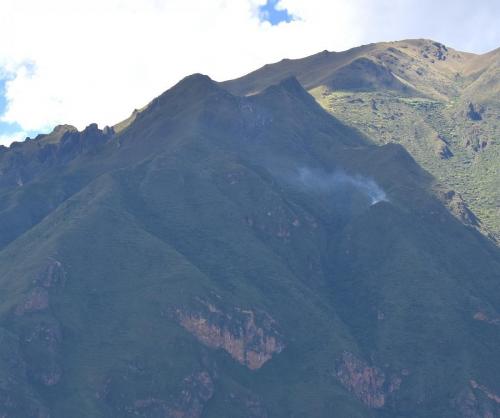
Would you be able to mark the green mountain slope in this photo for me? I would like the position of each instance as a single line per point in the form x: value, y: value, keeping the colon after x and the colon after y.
x: 226, y: 256
x: 442, y: 105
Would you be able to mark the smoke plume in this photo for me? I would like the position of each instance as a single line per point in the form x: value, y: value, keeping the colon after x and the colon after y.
x: 320, y: 181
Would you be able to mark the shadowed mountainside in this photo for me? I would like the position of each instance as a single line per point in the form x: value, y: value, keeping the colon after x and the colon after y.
x: 442, y: 105
x: 220, y: 255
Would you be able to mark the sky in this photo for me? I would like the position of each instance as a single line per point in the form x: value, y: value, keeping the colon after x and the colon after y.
x: 85, y: 61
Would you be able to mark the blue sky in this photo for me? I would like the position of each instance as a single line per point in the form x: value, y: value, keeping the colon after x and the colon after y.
x: 64, y: 70
x: 269, y: 12
x: 6, y: 128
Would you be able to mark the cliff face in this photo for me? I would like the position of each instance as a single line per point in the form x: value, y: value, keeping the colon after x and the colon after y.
x: 250, y: 338
x: 368, y: 383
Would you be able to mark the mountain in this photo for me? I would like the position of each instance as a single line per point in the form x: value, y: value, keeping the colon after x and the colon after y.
x: 442, y: 105
x: 231, y: 255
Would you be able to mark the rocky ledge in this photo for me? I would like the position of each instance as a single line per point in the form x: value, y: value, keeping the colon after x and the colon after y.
x: 368, y: 383
x: 250, y: 337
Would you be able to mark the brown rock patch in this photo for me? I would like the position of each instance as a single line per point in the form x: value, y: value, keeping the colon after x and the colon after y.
x: 251, y: 338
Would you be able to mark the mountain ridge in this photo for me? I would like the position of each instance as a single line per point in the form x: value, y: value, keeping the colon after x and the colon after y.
x: 220, y: 255
x: 446, y: 118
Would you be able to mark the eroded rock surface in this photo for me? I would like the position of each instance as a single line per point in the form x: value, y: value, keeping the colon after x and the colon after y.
x: 41, y: 345
x: 196, y: 390
x: 484, y: 317
x: 250, y: 337
x: 477, y: 401
x: 473, y: 114
x: 17, y: 397
x: 53, y: 275
x: 368, y: 383
x: 247, y: 403
x: 489, y: 393
x: 36, y: 300
x: 458, y: 207
x: 38, y: 330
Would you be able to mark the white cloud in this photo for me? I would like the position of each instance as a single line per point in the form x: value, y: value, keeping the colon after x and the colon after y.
x: 7, y: 139
x: 83, y: 61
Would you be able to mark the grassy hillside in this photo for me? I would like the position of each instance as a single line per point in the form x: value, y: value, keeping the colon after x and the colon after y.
x: 225, y: 256
x: 442, y: 105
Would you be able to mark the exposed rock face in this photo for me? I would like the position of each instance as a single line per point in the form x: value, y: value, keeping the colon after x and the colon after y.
x: 58, y: 132
x: 435, y: 50
x: 444, y: 151
x: 51, y: 378
x: 473, y: 114
x: 17, y: 398
x: 52, y: 276
x: 475, y: 138
x: 442, y: 148
x: 477, y: 401
x: 27, y: 160
x: 458, y: 208
x: 197, y: 390
x: 36, y: 300
x: 251, y: 338
x: 250, y: 404
x: 40, y: 334
x: 41, y: 347
x: 368, y: 383
x: 490, y: 394
x: 481, y: 316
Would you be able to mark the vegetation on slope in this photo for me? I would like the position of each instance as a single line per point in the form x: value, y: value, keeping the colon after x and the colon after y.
x: 238, y: 256
x: 442, y: 105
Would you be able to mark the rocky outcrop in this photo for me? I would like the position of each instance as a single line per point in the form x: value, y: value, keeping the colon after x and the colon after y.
x: 458, y: 208
x: 477, y: 401
x: 41, y: 347
x: 476, y: 138
x: 52, y: 275
x: 57, y: 133
x: 473, y: 114
x: 489, y: 393
x: 484, y: 317
x: 245, y: 403
x: 367, y: 383
x: 196, y: 390
x: 36, y: 300
x: 39, y: 332
x: 434, y: 51
x: 25, y: 161
x: 17, y: 397
x: 442, y: 148
x: 250, y: 337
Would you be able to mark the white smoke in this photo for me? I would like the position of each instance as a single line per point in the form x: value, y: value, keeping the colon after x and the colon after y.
x: 332, y: 182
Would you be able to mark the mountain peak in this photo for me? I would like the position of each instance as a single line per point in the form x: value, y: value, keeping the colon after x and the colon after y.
x: 196, y: 82
x: 57, y: 133
x: 291, y: 86
x: 192, y: 88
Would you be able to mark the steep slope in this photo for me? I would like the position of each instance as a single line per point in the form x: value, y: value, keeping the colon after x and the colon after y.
x: 440, y: 104
x: 239, y: 256
x: 430, y: 68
